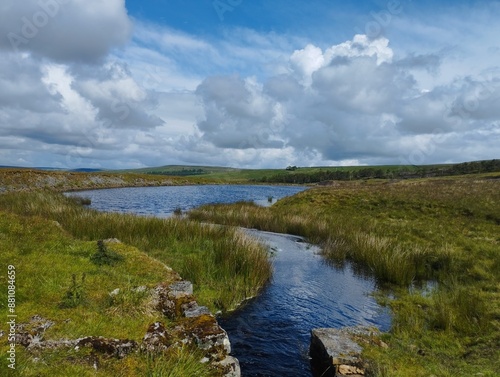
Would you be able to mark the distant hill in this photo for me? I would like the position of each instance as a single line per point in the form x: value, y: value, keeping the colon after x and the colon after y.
x: 86, y: 170
x: 81, y: 170
x: 300, y: 175
x: 304, y: 175
x: 181, y: 170
x: 34, y: 168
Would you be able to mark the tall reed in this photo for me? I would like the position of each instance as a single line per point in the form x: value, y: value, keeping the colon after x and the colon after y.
x: 225, y: 266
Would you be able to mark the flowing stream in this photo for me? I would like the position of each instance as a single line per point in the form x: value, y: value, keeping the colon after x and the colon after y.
x: 270, y: 334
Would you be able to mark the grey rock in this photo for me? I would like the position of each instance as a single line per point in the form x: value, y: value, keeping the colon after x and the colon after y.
x: 113, y: 347
x: 231, y: 366
x: 157, y: 338
x: 140, y: 289
x: 192, y: 310
x: 336, y: 352
x: 112, y: 240
x: 180, y: 289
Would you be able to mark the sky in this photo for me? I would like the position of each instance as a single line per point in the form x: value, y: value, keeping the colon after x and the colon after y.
x: 248, y: 83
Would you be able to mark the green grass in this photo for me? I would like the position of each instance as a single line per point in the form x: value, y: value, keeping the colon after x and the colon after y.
x: 183, y: 362
x: 306, y: 175
x: 34, y: 180
x: 52, y: 241
x: 225, y: 265
x: 406, y: 233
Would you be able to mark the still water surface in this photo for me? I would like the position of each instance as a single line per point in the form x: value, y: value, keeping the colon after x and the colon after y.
x: 270, y: 335
x: 163, y: 201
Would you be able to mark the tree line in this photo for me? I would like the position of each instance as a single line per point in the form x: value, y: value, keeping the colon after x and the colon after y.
x: 404, y: 172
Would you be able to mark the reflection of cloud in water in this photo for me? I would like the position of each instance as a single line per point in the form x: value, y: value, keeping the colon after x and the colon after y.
x: 305, y: 293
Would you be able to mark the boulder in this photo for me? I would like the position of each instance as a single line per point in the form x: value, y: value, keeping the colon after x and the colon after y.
x: 230, y: 366
x: 157, y: 338
x: 208, y: 335
x: 180, y: 289
x: 169, y: 300
x: 337, y: 352
x: 192, y: 309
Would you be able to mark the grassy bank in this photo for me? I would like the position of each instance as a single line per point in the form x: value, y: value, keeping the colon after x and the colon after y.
x: 406, y: 233
x: 225, y: 266
x: 28, y: 180
x: 51, y: 240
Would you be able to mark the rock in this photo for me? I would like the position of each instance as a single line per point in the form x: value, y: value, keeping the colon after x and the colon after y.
x: 157, y: 339
x: 53, y: 344
x: 112, y: 240
x: 111, y: 347
x: 348, y: 370
x: 33, y: 331
x: 230, y: 366
x: 114, y: 292
x: 180, y: 289
x: 195, y: 325
x: 140, y: 289
x: 170, y: 299
x: 336, y: 352
x: 192, y: 309
x: 208, y: 335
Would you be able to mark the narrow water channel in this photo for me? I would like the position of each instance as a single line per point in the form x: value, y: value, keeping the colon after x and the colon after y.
x: 270, y: 335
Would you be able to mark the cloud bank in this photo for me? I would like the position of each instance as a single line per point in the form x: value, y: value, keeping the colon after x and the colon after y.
x: 82, y: 84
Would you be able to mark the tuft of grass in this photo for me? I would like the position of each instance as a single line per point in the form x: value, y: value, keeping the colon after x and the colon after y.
x: 75, y: 294
x: 104, y: 256
x: 81, y: 200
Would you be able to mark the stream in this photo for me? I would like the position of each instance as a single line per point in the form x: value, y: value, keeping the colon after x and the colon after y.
x: 270, y: 335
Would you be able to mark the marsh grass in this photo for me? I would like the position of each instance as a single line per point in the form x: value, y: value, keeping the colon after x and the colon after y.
x: 51, y: 240
x: 225, y: 266
x: 404, y: 233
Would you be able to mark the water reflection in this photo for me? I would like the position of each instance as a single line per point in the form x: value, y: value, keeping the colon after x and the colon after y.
x: 270, y: 335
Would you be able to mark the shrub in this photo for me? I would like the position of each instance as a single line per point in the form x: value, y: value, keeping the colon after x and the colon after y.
x: 74, y: 295
x: 104, y: 256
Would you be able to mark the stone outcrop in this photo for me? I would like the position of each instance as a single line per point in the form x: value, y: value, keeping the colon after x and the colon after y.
x: 110, y: 347
x: 31, y: 336
x: 33, y: 331
x: 195, y: 325
x: 157, y: 338
x: 230, y: 365
x: 337, y: 352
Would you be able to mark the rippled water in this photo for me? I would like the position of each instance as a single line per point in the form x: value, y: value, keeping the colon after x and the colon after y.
x: 163, y: 201
x: 270, y: 335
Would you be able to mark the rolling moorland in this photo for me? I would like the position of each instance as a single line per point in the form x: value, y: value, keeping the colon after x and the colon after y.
x: 431, y: 240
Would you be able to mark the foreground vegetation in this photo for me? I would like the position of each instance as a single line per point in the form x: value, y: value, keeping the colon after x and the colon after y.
x: 408, y: 233
x: 65, y: 275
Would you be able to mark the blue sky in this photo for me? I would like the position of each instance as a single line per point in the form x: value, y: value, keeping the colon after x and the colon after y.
x: 123, y: 84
